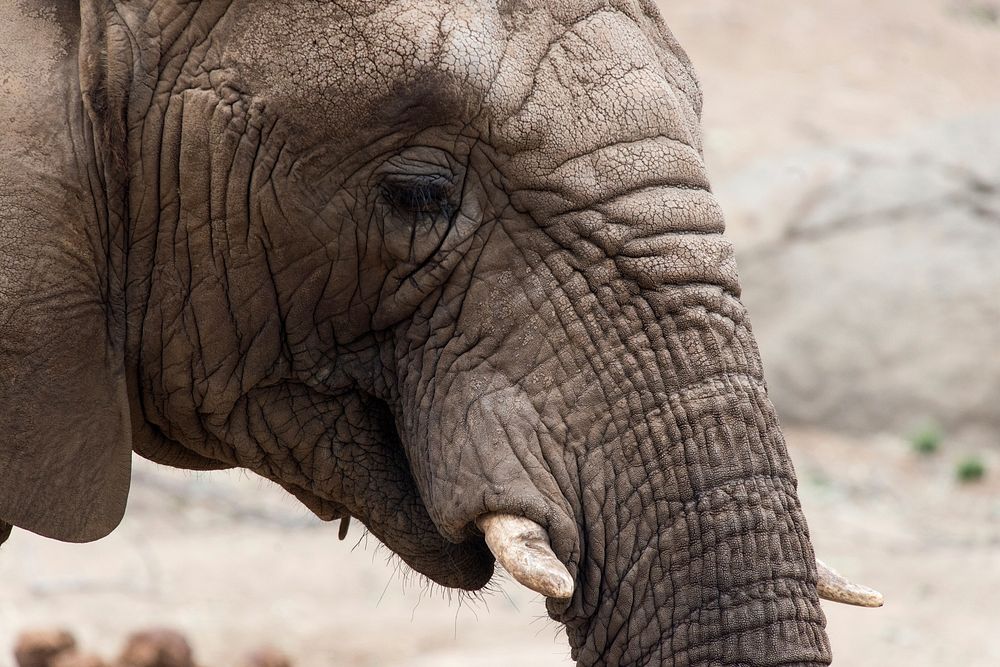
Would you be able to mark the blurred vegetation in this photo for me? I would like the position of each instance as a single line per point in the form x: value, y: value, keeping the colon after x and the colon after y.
x: 970, y: 469
x: 927, y: 440
x: 982, y: 11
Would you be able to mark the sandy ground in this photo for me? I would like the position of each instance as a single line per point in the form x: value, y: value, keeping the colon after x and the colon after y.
x: 236, y: 563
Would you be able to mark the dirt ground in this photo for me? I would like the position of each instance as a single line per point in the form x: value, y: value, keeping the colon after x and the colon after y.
x: 236, y: 563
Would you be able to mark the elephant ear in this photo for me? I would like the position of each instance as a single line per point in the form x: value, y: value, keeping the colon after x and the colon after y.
x: 65, y: 438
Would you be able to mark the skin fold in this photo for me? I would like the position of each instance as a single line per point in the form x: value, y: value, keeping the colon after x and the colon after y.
x: 416, y: 262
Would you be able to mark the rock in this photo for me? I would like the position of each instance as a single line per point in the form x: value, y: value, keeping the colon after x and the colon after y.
x: 266, y: 657
x: 156, y: 648
x: 873, y: 278
x: 39, y: 648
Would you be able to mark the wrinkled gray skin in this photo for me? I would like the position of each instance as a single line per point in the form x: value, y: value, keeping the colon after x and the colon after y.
x: 415, y: 261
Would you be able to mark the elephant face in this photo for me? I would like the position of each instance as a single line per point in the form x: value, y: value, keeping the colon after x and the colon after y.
x: 431, y: 263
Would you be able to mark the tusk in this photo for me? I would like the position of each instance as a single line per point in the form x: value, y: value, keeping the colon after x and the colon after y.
x: 522, y: 547
x: 831, y: 585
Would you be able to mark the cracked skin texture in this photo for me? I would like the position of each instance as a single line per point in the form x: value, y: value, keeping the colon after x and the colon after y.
x: 413, y: 261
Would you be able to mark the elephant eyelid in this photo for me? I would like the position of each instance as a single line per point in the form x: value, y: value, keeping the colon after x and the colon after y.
x: 423, y: 193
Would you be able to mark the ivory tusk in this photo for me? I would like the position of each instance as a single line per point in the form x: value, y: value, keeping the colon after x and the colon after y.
x: 522, y: 547
x: 833, y: 586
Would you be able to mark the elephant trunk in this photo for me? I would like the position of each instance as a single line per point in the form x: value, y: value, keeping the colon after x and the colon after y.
x: 633, y: 435
x: 694, y: 548
x: 690, y: 546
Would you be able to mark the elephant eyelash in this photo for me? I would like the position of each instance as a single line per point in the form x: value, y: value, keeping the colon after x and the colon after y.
x: 419, y: 194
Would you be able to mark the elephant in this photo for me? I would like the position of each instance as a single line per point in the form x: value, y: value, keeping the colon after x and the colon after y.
x: 451, y: 268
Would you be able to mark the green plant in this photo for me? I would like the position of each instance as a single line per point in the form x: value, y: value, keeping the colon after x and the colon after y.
x: 927, y: 440
x: 970, y: 469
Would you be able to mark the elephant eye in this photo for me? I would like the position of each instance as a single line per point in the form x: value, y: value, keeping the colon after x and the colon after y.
x: 419, y: 194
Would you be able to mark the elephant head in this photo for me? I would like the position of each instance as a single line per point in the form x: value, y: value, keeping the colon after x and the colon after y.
x: 450, y: 267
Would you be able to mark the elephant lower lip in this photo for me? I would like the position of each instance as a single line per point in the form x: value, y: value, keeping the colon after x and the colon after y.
x: 471, y: 566
x: 466, y: 565
x: 409, y: 532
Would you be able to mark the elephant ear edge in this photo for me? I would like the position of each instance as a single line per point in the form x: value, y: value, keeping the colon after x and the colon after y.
x: 65, y: 456
x: 65, y: 433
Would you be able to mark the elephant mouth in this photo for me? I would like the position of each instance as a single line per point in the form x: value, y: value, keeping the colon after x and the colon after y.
x: 467, y: 565
x: 521, y: 545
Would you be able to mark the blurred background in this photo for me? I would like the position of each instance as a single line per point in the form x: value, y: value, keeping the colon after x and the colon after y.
x: 855, y: 146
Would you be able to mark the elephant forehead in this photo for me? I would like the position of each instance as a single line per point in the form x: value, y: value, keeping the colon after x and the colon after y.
x: 345, y: 59
x: 603, y: 81
x: 524, y: 66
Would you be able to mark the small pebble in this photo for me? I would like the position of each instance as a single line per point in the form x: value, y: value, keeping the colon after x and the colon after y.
x: 156, y: 648
x: 38, y: 648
